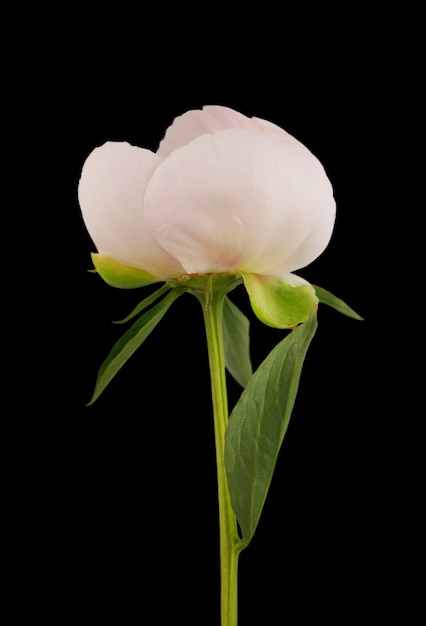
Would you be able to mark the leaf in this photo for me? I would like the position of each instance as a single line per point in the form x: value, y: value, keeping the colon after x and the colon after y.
x: 146, y: 302
x: 336, y: 303
x: 130, y: 342
x: 236, y: 342
x: 258, y: 424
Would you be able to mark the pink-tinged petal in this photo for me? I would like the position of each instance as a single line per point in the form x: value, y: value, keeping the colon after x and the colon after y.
x: 313, y: 245
x: 111, y: 196
x: 274, y: 131
x: 239, y: 200
x: 210, y: 119
x: 196, y: 122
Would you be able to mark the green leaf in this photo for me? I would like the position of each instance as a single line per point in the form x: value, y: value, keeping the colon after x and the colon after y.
x: 258, y: 423
x: 236, y: 340
x: 336, y: 303
x: 146, y: 302
x: 130, y: 342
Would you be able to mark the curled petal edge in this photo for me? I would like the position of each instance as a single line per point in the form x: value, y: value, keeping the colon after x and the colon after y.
x: 277, y: 303
x: 118, y: 274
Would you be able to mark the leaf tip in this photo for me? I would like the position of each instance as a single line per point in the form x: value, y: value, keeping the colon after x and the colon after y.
x: 326, y: 297
x: 93, y: 399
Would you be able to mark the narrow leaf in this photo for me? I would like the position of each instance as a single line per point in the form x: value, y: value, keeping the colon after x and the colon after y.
x: 146, y: 302
x: 258, y: 424
x: 236, y: 340
x: 130, y: 342
x: 336, y: 303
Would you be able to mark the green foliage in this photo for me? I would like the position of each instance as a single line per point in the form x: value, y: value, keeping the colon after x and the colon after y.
x: 258, y: 424
x: 131, y: 341
x: 279, y: 304
x: 236, y: 339
x: 119, y: 274
x: 326, y: 297
x: 146, y: 302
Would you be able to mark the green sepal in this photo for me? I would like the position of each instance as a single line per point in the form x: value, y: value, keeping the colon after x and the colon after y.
x: 131, y: 341
x: 258, y: 423
x: 119, y: 274
x: 326, y: 297
x: 236, y: 339
x: 279, y: 304
x: 146, y: 302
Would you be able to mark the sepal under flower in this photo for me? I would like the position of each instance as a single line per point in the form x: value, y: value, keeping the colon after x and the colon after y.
x: 121, y: 275
x: 277, y: 303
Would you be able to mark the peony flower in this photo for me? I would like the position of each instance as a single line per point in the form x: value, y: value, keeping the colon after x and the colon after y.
x: 223, y: 194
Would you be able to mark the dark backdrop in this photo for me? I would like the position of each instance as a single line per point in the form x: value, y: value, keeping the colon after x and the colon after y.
x: 120, y: 517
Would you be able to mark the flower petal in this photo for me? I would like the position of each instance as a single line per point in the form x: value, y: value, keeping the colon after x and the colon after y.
x: 279, y: 303
x: 240, y: 200
x: 274, y: 131
x: 120, y: 275
x: 210, y: 119
x: 196, y: 122
x: 111, y: 195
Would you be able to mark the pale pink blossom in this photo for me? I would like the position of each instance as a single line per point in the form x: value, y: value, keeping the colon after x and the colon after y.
x: 224, y: 193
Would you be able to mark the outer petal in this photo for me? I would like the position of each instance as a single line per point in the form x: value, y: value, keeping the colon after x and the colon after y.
x: 239, y: 200
x: 210, y: 119
x: 111, y: 195
x: 274, y: 131
x: 278, y: 303
x: 197, y: 122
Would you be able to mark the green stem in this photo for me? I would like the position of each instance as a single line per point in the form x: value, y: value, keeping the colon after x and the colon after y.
x: 229, y: 538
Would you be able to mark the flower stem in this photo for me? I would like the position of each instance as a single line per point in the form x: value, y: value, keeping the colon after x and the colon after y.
x: 229, y: 538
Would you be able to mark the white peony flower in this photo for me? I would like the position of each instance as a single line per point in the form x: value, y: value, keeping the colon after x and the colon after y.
x: 223, y: 194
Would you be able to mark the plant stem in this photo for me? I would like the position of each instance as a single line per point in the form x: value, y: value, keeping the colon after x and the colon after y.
x: 229, y: 538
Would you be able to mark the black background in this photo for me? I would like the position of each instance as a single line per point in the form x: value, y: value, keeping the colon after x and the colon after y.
x: 119, y: 499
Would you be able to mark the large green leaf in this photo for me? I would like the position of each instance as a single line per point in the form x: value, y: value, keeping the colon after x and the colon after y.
x: 130, y: 342
x: 326, y: 297
x: 258, y: 424
x: 236, y: 338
